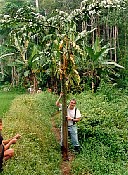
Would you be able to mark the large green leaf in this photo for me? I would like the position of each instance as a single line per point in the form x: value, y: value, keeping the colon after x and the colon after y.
x: 112, y: 63
x: 5, y: 55
x: 83, y: 34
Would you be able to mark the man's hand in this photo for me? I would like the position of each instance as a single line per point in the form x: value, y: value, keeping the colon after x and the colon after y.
x: 17, y: 136
x: 57, y: 102
x: 13, y: 141
x: 69, y: 118
x: 61, y: 94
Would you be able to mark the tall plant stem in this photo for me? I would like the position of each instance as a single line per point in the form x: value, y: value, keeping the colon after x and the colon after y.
x: 64, y: 113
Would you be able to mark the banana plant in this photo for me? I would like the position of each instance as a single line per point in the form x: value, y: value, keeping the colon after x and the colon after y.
x: 96, y: 59
x: 31, y: 68
x: 67, y: 46
x: 2, y: 60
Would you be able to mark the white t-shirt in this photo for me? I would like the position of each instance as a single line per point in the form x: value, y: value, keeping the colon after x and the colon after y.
x: 71, y: 113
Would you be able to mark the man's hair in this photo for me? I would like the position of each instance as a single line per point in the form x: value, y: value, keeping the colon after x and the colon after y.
x: 0, y: 120
x: 73, y: 100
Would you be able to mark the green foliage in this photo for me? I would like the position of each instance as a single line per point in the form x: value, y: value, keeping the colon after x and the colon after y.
x: 5, y: 100
x: 103, y: 133
x: 37, y: 152
x: 24, y: 27
x: 64, y: 5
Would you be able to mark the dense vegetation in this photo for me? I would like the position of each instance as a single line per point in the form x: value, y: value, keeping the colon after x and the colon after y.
x: 102, y: 132
x: 86, y: 42
x: 73, y: 47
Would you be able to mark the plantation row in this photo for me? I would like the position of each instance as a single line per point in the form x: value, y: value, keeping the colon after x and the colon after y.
x: 102, y: 134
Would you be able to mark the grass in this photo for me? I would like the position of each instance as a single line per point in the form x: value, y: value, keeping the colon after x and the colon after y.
x: 103, y: 135
x: 5, y: 101
x: 37, y: 152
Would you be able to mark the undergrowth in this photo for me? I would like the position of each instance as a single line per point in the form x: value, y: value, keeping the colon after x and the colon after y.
x: 37, y: 152
x: 103, y: 134
x: 102, y: 131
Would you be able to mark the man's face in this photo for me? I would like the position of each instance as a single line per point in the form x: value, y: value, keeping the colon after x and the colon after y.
x: 0, y: 126
x: 72, y: 104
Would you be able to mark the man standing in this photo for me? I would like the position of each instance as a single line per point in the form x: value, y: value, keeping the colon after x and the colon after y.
x: 73, y: 116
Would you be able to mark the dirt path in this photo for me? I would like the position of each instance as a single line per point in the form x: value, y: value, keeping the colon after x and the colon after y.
x: 65, y: 165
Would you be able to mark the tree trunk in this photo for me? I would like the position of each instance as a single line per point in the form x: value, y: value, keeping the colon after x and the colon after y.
x: 64, y: 110
x: 125, y: 44
x: 110, y: 39
x: 64, y: 123
x: 37, y: 5
x: 92, y: 26
x: 98, y: 27
x: 13, y: 76
x: 79, y: 25
x: 35, y: 83
x: 2, y: 69
x: 115, y: 42
x: 93, y: 85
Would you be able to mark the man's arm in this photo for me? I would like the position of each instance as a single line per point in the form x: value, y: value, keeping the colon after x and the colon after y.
x: 57, y: 102
x: 12, y: 141
x: 73, y: 119
x: 6, y: 141
x: 17, y: 136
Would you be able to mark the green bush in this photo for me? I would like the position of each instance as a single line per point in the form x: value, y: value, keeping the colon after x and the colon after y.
x: 103, y: 133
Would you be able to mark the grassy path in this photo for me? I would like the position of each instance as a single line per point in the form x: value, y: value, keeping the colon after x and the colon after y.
x: 19, y: 121
x: 37, y: 152
x: 65, y: 165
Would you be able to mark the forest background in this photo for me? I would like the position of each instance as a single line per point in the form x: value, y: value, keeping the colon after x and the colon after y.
x: 93, y: 34
x: 86, y: 42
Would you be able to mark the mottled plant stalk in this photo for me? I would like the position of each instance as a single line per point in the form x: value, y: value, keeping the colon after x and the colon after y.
x: 64, y: 123
x: 64, y: 108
